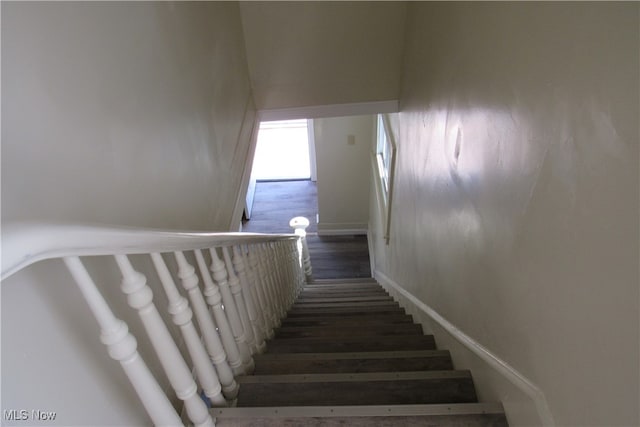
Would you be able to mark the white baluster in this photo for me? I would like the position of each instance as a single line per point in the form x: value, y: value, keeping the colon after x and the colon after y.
x: 293, y: 283
x: 299, y: 276
x: 279, y: 281
x: 272, y: 274
x: 220, y: 276
x: 214, y: 299
x: 299, y: 225
x: 182, y: 317
x: 243, y: 270
x: 236, y: 290
x: 270, y: 301
x: 258, y: 285
x: 122, y: 346
x: 140, y: 297
x: 280, y: 266
x: 189, y: 280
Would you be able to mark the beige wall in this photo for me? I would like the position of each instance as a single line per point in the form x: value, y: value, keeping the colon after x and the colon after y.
x: 318, y: 53
x: 515, y: 211
x: 343, y: 147
x: 124, y: 113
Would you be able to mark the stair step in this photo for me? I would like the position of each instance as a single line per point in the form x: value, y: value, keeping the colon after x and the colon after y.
x: 351, y: 344
x: 356, y: 287
x: 348, y: 305
x: 350, y: 280
x: 453, y: 415
x: 365, y: 320
x: 348, y: 331
x: 379, y: 361
x: 325, y: 295
x: 382, y: 388
x: 337, y: 299
x: 344, y: 311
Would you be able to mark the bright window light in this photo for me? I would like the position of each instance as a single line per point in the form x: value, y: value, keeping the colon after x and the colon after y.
x: 282, y: 151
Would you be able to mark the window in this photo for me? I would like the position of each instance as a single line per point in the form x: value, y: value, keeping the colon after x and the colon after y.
x: 384, y: 165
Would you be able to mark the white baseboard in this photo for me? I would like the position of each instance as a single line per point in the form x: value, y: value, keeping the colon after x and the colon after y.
x: 342, y: 229
x: 372, y: 253
x: 412, y: 304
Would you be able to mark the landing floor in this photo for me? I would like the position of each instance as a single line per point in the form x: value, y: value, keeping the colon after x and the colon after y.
x: 331, y: 256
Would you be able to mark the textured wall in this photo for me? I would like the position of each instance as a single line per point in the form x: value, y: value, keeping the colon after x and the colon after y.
x: 343, y: 159
x: 515, y: 211
x: 120, y: 113
x: 318, y: 53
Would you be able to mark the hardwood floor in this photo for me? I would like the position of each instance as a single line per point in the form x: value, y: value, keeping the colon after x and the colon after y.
x: 334, y: 257
x: 331, y: 256
x: 277, y: 202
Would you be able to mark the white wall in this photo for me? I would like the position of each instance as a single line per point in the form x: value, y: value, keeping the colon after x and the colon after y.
x: 515, y: 211
x: 124, y: 113
x: 343, y: 152
x: 317, y: 53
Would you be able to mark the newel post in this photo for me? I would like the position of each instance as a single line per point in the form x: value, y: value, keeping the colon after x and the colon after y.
x: 299, y: 225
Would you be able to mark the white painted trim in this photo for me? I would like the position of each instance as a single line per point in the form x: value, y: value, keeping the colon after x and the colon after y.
x: 26, y: 243
x: 372, y: 252
x: 311, y: 137
x: 396, y: 354
x: 342, y: 228
x: 359, y: 410
x: 333, y: 110
x: 241, y: 198
x: 499, y: 365
x: 353, y: 377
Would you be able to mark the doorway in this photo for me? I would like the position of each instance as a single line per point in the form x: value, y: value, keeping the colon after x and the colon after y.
x: 285, y: 151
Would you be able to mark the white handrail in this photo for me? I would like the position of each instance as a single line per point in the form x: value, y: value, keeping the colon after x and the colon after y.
x: 26, y: 243
x: 270, y: 275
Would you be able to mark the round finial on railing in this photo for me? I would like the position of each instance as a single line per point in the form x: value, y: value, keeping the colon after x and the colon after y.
x: 299, y: 223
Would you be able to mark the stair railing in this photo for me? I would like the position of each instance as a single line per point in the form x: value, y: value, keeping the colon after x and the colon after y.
x: 248, y: 283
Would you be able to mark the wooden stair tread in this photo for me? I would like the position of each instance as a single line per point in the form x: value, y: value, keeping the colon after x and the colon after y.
x: 352, y: 355
x: 344, y: 311
x: 351, y: 344
x: 451, y: 415
x: 347, y: 331
x: 344, y: 304
x: 354, y: 377
x: 346, y: 280
x: 349, y: 411
x: 350, y: 299
x: 357, y: 389
x: 365, y: 319
x: 396, y: 361
x: 357, y: 287
x: 351, y: 351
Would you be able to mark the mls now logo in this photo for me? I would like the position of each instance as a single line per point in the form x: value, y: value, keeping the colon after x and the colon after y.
x: 15, y: 414
x: 24, y: 415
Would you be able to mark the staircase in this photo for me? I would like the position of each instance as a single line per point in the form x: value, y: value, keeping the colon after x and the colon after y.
x: 348, y: 355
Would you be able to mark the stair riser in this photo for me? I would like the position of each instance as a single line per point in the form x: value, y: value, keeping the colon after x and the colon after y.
x: 343, y: 331
x: 281, y: 367
x: 346, y: 283
x: 475, y: 420
x: 339, y: 321
x: 451, y: 390
x: 347, y: 312
x: 367, y: 343
x: 347, y: 305
x: 345, y: 288
x: 335, y: 299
